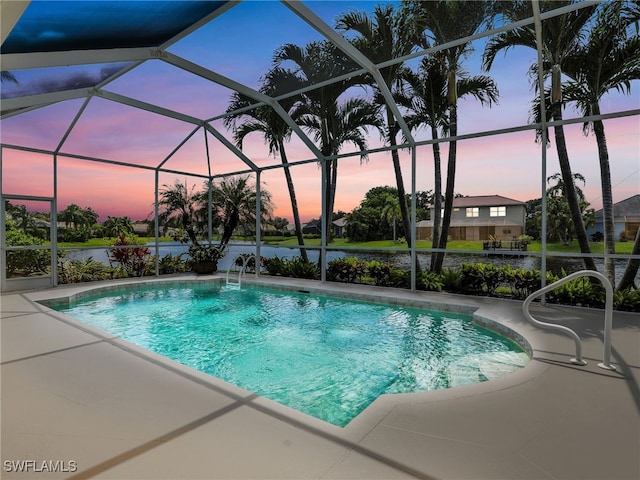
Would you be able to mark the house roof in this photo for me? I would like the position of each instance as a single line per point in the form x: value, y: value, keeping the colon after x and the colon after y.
x: 629, y: 207
x: 484, y: 201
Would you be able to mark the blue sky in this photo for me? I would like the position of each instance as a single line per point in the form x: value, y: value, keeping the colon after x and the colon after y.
x: 239, y: 45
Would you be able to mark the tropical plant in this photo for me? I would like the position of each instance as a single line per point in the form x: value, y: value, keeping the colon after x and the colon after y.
x: 392, y: 212
x: 24, y: 262
x: 81, y: 270
x: 446, y: 21
x: 559, y: 225
x: 429, y: 281
x: 80, y: 218
x: 384, y: 36
x: 629, y: 275
x: 347, y: 269
x: 131, y: 257
x: 607, y: 59
x: 173, y: 264
x: 116, y: 226
x: 428, y: 106
x: 234, y: 200
x: 178, y: 201
x: 318, y: 109
x: 560, y: 37
x: 275, y: 131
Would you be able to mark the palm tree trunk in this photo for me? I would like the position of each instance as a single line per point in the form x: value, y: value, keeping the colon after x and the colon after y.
x: 629, y: 275
x: 570, y: 189
x: 449, y: 192
x: 294, y: 202
x: 334, y: 188
x: 402, y: 196
x: 437, y: 195
x: 607, y: 196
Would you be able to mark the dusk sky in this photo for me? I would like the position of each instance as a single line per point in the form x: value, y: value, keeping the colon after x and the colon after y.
x: 240, y: 45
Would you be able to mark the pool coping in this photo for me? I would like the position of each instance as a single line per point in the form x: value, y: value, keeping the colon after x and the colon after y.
x: 386, y: 409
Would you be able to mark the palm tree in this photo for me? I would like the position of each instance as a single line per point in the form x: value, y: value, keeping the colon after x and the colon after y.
x: 559, y: 222
x: 116, y: 226
x: 608, y: 59
x: 78, y: 217
x: 318, y: 109
x: 275, y: 131
x: 178, y: 201
x: 391, y: 212
x: 383, y: 36
x: 427, y: 103
x: 560, y: 37
x: 447, y: 21
x: 235, y: 200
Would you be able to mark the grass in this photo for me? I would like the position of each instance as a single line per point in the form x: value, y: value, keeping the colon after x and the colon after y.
x: 108, y: 242
x: 535, y: 246
x: 623, y: 248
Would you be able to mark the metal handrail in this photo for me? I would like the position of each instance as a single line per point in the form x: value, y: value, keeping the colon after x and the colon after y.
x: 242, y: 269
x: 608, y: 316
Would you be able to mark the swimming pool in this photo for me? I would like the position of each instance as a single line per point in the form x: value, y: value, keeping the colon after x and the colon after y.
x: 324, y: 356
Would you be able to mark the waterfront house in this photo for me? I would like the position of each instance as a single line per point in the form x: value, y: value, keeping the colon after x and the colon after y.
x: 480, y: 217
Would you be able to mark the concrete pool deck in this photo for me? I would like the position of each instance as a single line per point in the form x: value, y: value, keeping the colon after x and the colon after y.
x: 79, y: 400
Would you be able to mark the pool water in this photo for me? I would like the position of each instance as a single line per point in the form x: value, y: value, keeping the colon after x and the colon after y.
x: 324, y: 356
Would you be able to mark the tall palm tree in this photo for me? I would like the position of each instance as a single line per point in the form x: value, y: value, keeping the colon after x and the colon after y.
x: 298, y: 67
x: 446, y: 21
x: 275, y: 131
x: 384, y: 36
x: 426, y: 101
x: 560, y: 37
x: 427, y: 104
x: 608, y: 59
x: 235, y: 200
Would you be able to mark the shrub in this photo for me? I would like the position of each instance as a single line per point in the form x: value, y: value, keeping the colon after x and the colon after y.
x: 347, y: 270
x: 451, y: 280
x: 295, y: 267
x: 481, y: 278
x: 430, y: 281
x: 581, y: 292
x: 379, y: 272
x: 173, y: 264
x: 73, y: 235
x: 522, y: 282
x: 132, y: 260
x: 25, y: 262
x: 276, y: 266
x: 299, y: 268
x: 84, y: 270
x: 627, y: 300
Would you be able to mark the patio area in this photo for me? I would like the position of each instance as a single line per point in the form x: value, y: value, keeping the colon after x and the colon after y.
x: 89, y: 405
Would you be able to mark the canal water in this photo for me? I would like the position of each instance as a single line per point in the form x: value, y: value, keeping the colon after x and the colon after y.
x: 398, y: 260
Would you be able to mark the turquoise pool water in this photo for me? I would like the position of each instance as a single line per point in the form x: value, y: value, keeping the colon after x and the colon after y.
x: 324, y: 356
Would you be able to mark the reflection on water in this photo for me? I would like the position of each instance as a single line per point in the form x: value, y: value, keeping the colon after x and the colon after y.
x: 398, y: 260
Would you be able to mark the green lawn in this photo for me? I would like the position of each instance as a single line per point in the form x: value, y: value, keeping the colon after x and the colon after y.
x: 535, y: 246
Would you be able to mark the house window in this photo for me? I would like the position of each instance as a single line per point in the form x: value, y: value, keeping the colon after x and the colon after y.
x: 498, y: 212
x: 473, y: 212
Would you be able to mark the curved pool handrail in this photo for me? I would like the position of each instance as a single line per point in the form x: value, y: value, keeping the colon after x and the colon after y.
x: 245, y: 262
x: 608, y: 316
